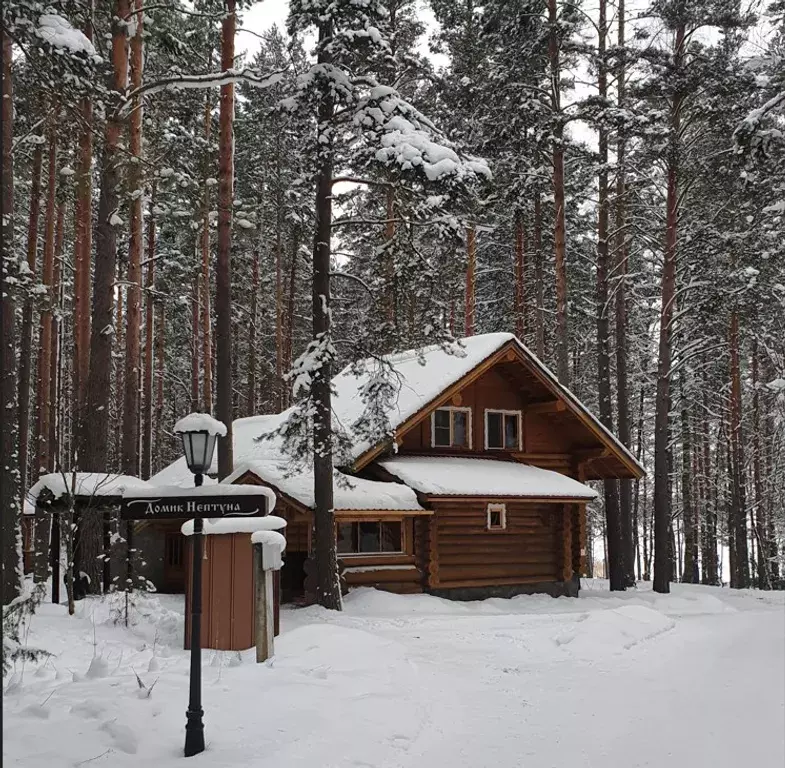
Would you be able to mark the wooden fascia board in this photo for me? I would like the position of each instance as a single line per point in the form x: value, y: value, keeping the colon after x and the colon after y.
x: 423, y: 413
x: 380, y: 514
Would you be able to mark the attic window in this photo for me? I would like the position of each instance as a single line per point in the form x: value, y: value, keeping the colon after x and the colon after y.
x: 503, y: 430
x: 496, y: 517
x: 451, y: 428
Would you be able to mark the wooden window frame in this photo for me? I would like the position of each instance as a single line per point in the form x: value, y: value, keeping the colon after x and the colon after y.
x: 469, y: 427
x: 349, y: 555
x: 499, y: 507
x: 503, y: 412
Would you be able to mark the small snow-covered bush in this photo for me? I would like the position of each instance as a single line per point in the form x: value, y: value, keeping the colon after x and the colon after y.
x: 16, y: 621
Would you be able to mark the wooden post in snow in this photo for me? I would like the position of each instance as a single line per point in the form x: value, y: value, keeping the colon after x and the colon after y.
x: 267, y: 549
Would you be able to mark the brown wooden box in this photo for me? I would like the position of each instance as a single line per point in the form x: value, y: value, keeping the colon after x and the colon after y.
x: 227, y: 593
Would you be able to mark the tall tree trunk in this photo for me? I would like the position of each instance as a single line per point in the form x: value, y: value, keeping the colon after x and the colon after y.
x: 195, y: 308
x: 251, y: 396
x: 42, y: 446
x: 616, y: 565
x: 9, y: 466
x: 279, y: 292
x: 623, y: 430
x: 559, y: 230
x: 118, y: 373
x: 328, y: 592
x: 471, y: 272
x: 520, y: 276
x: 149, y: 340
x: 133, y: 312
x: 99, y: 389
x: 662, y: 498
x: 689, y: 507
x: 712, y: 504
x: 290, y: 306
x: 539, y: 278
x: 739, y: 533
x: 635, y: 503
x: 761, y: 530
x: 82, y: 259
x: 56, y: 356
x: 388, y: 267
x: 223, y: 293
x: 207, y: 336
x: 26, y: 341
x: 772, y: 450
x: 160, y: 363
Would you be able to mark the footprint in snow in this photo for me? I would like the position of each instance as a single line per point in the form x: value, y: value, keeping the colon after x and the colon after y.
x: 122, y: 736
x: 87, y: 709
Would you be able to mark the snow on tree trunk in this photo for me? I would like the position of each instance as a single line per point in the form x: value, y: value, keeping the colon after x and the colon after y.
x: 26, y: 340
x: 9, y: 456
x: 103, y: 325
x: 662, y: 488
x: 328, y: 592
x: 44, y: 408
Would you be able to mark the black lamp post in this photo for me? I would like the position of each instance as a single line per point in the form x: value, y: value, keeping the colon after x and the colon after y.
x: 198, y: 447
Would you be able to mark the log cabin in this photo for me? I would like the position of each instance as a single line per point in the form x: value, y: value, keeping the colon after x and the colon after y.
x: 478, y: 488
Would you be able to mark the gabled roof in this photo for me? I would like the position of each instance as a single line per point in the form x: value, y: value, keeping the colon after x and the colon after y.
x: 424, y: 378
x: 430, y: 376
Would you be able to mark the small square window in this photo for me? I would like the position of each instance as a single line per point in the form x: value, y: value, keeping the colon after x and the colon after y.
x: 494, y: 430
x: 451, y: 428
x: 496, y: 517
x: 502, y: 430
x: 442, y: 432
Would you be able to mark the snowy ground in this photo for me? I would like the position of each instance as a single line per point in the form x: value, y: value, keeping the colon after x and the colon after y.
x: 696, y: 678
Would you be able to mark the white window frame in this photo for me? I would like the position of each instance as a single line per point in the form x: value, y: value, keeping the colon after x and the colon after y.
x: 496, y: 507
x: 469, y: 426
x: 504, y: 413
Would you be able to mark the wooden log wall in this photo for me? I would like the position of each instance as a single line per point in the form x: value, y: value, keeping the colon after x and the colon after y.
x: 464, y: 553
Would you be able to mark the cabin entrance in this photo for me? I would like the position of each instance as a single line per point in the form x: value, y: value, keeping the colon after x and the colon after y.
x: 293, y: 577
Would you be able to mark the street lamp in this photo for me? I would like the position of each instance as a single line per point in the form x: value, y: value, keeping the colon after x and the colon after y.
x: 198, y: 447
x: 198, y: 432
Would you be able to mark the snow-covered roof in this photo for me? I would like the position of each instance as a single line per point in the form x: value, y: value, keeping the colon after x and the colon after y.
x: 422, y: 375
x: 100, y: 484
x: 349, y: 493
x: 462, y: 476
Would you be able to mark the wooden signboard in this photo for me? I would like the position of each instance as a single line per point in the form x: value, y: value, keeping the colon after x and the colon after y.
x: 188, y: 507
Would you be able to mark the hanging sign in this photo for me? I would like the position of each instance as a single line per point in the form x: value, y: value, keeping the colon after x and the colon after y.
x: 188, y: 507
